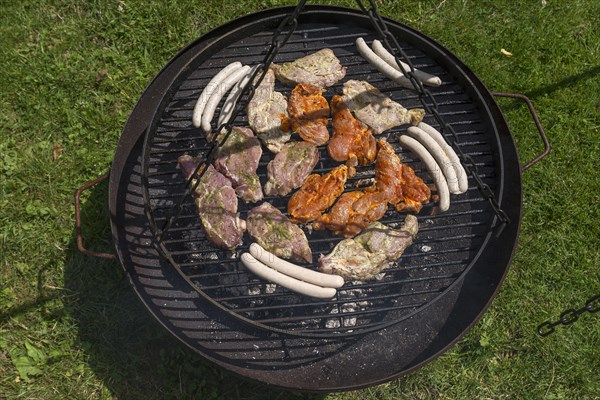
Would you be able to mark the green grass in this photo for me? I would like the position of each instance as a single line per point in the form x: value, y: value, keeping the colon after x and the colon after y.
x: 72, y: 328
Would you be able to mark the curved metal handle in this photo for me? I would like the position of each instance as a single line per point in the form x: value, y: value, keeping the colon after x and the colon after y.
x: 80, y: 246
x: 538, y: 125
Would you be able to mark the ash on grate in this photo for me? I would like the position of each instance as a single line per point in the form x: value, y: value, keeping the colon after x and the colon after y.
x: 348, y: 307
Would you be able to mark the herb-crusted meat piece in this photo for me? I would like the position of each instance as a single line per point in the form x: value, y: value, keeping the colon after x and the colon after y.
x: 217, y: 204
x: 322, y: 69
x: 370, y: 252
x: 277, y: 234
x: 238, y: 160
x: 375, y: 109
x: 290, y: 168
x: 267, y: 114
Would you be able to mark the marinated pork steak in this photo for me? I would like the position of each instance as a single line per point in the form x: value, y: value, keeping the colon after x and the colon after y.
x: 404, y: 189
x: 317, y: 194
x: 217, y: 205
x: 290, y: 168
x: 238, y: 160
x: 353, y: 212
x: 375, y: 109
x: 277, y: 234
x: 369, y: 253
x: 352, y: 141
x: 395, y: 183
x: 267, y: 114
x: 308, y: 113
x: 322, y: 69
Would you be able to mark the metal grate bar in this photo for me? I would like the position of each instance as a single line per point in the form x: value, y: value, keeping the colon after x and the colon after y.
x: 414, y: 281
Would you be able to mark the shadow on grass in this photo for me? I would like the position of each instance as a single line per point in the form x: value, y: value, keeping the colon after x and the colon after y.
x: 564, y: 83
x: 127, y: 349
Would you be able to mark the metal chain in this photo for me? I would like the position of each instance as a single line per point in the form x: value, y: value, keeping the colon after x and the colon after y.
x: 431, y: 106
x: 280, y: 37
x: 570, y: 315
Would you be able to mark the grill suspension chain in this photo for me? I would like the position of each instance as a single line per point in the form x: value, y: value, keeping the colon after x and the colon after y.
x: 425, y: 95
x: 280, y: 37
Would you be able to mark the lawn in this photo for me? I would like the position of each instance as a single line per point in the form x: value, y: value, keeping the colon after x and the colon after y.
x: 71, y: 326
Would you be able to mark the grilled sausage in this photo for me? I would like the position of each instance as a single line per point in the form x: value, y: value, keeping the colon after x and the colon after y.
x: 381, y: 65
x: 208, y: 91
x: 234, y: 96
x: 432, y: 166
x: 295, y: 271
x: 225, y: 85
x: 427, y: 79
x: 292, y: 284
x: 440, y: 156
x: 463, y: 180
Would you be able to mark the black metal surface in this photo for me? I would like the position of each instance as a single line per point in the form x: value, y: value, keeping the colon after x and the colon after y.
x: 350, y: 362
x: 446, y: 247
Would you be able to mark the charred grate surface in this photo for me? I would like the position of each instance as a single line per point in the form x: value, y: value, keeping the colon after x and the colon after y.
x: 446, y: 246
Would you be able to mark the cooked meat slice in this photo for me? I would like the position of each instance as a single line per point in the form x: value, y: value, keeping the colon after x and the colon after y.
x: 309, y: 111
x: 238, y: 160
x: 353, y: 212
x: 290, y: 168
x: 217, y: 205
x: 277, y: 234
x: 317, y: 194
x: 404, y: 189
x: 267, y: 114
x: 369, y: 253
x: 322, y: 69
x: 375, y: 109
x: 395, y: 183
x: 352, y: 141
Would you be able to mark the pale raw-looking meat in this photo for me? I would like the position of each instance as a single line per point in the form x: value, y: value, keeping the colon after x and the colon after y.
x: 375, y: 109
x: 238, y: 160
x: 290, y: 168
x: 322, y: 69
x: 370, y: 252
x: 267, y: 114
x: 277, y: 234
x: 217, y: 205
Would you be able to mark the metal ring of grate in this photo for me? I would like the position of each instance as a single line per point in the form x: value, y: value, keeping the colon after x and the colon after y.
x: 445, y: 248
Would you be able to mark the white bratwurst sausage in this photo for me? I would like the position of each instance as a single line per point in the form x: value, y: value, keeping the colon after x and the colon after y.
x: 209, y: 89
x: 215, y: 99
x: 432, y: 166
x: 295, y: 271
x: 463, y: 179
x: 381, y: 65
x: 439, y: 154
x: 233, y: 97
x: 427, y: 79
x: 292, y: 284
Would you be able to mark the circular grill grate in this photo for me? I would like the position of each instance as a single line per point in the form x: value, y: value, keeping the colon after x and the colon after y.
x: 445, y: 247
